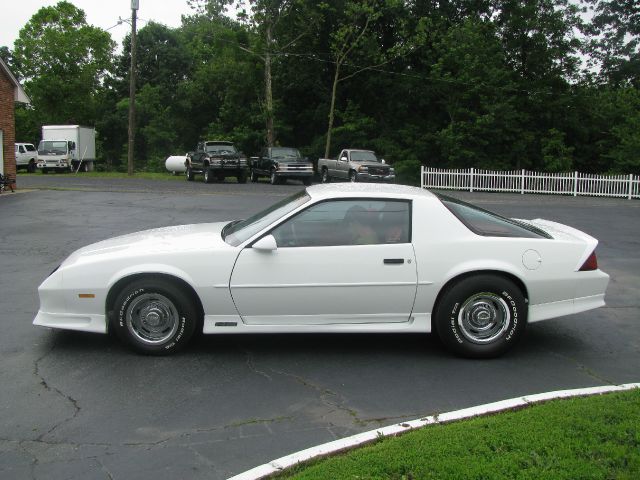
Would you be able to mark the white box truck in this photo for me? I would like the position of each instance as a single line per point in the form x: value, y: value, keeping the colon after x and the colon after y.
x: 67, y: 148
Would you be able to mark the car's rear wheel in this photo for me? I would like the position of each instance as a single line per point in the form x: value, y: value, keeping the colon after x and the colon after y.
x: 481, y: 316
x: 154, y: 316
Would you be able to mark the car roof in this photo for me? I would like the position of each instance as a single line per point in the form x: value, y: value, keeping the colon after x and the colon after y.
x: 330, y: 190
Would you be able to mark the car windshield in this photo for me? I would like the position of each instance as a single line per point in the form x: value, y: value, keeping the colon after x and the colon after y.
x: 285, y: 154
x: 221, y: 149
x: 50, y: 147
x: 489, y: 224
x: 30, y: 148
x: 239, y: 231
x: 364, y: 156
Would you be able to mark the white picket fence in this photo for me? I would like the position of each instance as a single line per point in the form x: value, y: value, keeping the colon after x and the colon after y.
x: 523, y: 181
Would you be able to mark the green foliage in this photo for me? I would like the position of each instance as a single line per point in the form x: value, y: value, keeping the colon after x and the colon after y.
x: 556, y: 155
x: 494, y: 84
x: 63, y: 62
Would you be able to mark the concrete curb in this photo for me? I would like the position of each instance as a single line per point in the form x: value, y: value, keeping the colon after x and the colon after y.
x: 287, y: 461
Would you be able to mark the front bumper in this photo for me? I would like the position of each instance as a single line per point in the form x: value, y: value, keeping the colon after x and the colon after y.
x: 366, y: 177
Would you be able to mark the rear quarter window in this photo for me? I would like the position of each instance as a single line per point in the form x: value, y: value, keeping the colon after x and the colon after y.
x: 489, y: 224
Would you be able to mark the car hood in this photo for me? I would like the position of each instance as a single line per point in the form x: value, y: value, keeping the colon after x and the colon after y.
x: 167, y: 240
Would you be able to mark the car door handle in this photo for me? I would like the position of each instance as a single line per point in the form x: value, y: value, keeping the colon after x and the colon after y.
x: 393, y: 261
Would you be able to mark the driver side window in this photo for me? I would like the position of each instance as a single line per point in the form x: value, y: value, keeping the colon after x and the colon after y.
x: 347, y: 222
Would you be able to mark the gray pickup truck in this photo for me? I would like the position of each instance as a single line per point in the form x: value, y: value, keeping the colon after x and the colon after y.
x: 356, y: 166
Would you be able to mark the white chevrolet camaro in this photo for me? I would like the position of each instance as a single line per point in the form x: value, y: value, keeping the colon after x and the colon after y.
x: 332, y: 258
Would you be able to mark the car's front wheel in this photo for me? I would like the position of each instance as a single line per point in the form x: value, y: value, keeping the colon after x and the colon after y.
x: 206, y: 175
x: 189, y: 174
x: 154, y: 316
x: 481, y: 316
x: 273, y: 178
x: 325, y: 175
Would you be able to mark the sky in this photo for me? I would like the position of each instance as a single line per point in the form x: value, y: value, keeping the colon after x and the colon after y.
x: 100, y: 13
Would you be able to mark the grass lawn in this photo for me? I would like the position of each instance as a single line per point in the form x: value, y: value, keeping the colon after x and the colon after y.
x: 146, y: 175
x: 581, y: 438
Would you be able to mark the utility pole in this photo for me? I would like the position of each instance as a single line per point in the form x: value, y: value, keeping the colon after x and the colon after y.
x: 132, y: 88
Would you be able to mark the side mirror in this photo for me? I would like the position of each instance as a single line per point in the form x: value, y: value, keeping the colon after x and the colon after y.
x: 266, y: 244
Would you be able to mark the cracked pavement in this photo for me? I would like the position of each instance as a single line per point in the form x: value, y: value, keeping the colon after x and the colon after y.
x: 82, y: 406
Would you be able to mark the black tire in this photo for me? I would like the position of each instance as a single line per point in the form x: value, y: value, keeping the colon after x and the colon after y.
x: 306, y: 181
x: 242, y: 177
x: 31, y: 168
x: 189, y: 174
x: 273, y: 178
x: 206, y: 175
x: 353, y: 176
x: 325, y: 178
x: 254, y: 176
x: 154, y: 317
x: 481, y: 316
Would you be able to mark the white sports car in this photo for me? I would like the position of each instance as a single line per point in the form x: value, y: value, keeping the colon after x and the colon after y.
x: 332, y: 258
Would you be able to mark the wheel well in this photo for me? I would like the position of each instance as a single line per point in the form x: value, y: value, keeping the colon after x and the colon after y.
x: 460, y: 277
x: 178, y: 282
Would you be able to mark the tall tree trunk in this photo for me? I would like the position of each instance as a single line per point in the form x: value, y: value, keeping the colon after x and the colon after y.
x: 268, y: 93
x: 336, y: 79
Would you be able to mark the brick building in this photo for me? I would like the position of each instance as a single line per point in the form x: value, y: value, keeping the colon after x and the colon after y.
x: 10, y: 93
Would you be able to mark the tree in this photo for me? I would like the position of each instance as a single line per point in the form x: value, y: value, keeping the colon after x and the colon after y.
x: 62, y: 61
x: 615, y: 40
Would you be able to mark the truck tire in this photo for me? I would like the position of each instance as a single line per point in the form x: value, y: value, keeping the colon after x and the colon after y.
x: 273, y: 178
x: 189, y: 174
x: 353, y: 176
x: 206, y: 175
x: 254, y: 176
x: 325, y: 178
x: 31, y: 168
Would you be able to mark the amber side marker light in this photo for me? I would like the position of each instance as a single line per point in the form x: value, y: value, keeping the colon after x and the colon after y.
x: 590, y: 264
x: 86, y: 295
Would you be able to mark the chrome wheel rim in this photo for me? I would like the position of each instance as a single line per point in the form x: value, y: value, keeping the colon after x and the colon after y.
x: 484, y: 317
x: 152, y: 318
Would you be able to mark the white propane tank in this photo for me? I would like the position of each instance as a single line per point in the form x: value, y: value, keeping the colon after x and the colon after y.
x: 175, y: 163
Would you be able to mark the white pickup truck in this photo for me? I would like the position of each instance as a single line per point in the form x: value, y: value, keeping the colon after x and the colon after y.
x: 356, y: 166
x: 26, y: 156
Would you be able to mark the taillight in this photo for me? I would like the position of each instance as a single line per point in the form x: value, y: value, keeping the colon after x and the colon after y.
x: 590, y: 264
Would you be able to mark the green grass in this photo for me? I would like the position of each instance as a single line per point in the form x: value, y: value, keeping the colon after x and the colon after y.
x: 138, y: 175
x: 582, y: 438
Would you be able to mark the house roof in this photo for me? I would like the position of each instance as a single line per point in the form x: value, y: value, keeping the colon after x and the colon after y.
x: 19, y: 94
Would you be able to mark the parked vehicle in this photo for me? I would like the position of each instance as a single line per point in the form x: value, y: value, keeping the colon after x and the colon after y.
x: 216, y: 159
x: 281, y: 164
x: 66, y: 148
x: 356, y: 166
x: 332, y: 259
x: 26, y: 157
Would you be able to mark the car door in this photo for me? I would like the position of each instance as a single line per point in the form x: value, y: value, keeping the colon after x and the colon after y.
x: 327, y: 269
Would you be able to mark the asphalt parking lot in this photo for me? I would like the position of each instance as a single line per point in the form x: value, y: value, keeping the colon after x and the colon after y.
x: 82, y: 406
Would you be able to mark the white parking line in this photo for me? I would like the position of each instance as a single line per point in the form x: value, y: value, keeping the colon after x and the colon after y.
x: 287, y: 461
